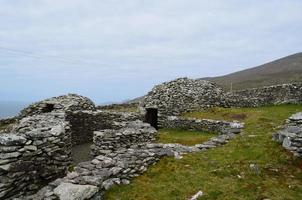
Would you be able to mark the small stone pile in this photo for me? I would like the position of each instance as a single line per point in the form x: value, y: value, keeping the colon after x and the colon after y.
x: 291, y: 135
x: 70, y: 102
x: 38, y: 152
x: 109, y: 140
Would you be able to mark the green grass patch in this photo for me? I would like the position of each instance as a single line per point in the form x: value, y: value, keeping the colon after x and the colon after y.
x: 184, y: 137
x: 224, y: 172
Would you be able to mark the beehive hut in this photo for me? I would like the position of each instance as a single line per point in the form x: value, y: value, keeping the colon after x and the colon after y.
x: 179, y: 96
x: 69, y: 102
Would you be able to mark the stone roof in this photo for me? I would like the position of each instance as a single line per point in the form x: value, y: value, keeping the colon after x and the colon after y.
x: 69, y: 102
x: 183, y: 95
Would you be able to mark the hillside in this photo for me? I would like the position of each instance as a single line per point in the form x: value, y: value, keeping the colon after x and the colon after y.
x: 284, y: 70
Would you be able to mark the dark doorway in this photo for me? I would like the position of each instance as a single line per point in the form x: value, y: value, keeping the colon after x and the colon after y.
x: 48, y: 108
x: 151, y: 117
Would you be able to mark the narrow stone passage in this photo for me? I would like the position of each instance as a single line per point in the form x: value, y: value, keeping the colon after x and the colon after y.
x: 81, y: 153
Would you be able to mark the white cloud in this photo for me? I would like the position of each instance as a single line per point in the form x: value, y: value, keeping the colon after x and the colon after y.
x: 125, y: 41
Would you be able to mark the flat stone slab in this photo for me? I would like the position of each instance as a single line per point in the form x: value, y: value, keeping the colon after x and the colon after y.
x: 9, y: 139
x: 296, y: 117
x: 69, y: 191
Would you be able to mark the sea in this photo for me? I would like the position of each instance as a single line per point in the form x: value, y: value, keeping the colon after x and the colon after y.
x: 11, y: 108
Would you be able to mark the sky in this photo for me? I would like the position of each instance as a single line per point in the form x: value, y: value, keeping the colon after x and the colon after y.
x: 113, y: 50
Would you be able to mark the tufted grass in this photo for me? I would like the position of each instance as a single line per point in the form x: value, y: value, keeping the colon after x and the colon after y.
x: 184, y: 137
x: 224, y: 172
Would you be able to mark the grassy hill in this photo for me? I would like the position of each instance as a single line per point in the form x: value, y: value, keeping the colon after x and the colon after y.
x: 284, y: 70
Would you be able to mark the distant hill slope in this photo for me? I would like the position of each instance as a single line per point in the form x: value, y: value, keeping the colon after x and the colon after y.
x: 284, y: 70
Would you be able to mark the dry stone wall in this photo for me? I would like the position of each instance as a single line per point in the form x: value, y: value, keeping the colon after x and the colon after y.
x: 205, y: 125
x: 91, y: 179
x: 182, y: 95
x: 84, y: 123
x: 109, y: 140
x: 37, y: 152
x: 291, y: 135
x: 186, y: 95
x: 273, y: 95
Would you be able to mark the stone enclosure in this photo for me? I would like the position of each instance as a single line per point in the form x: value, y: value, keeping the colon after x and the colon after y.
x: 187, y: 95
x: 35, y: 152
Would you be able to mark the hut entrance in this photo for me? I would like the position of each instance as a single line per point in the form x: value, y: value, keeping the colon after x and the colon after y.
x: 152, y: 117
x: 48, y: 108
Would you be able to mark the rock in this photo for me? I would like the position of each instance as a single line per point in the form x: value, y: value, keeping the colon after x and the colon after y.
x: 5, y: 167
x: 69, y: 191
x: 286, y: 143
x: 197, y: 195
x: 12, y: 140
x: 296, y: 117
x: 4, y: 156
x: 31, y: 148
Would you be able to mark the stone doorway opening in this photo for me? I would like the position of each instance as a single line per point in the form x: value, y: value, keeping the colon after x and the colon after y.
x: 48, y: 107
x: 152, y: 117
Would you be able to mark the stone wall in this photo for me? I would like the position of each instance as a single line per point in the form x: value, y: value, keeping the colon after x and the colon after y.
x: 91, y: 179
x: 291, y: 135
x: 204, y: 125
x: 186, y: 95
x: 83, y: 123
x: 37, y: 152
x: 182, y: 95
x: 273, y: 95
x: 109, y: 140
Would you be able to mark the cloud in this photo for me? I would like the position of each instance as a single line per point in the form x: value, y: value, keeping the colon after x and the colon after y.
x: 113, y: 45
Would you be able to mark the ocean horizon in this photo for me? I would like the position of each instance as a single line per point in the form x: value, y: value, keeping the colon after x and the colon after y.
x: 11, y: 108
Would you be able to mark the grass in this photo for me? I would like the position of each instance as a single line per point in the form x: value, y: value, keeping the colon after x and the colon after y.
x: 183, y: 137
x: 225, y: 173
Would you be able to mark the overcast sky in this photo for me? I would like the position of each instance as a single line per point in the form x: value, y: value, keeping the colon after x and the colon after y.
x: 112, y: 50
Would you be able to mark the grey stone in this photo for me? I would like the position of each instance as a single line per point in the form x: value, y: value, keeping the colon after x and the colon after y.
x: 11, y: 140
x: 69, y: 191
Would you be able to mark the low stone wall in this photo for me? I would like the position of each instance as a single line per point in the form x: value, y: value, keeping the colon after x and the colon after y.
x: 109, y: 140
x: 205, y: 125
x: 291, y: 135
x: 273, y: 95
x: 38, y: 152
x: 91, y: 179
x: 84, y: 123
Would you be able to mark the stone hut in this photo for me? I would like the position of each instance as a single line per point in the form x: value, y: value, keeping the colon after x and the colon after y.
x: 178, y: 96
x: 69, y: 102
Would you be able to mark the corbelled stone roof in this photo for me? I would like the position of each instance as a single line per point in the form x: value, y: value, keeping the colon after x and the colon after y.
x: 69, y: 102
x: 183, y: 95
